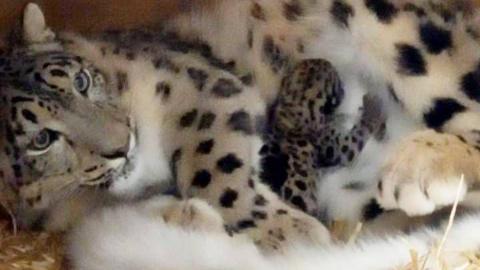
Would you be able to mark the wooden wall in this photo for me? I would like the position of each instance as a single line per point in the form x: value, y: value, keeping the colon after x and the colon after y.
x: 92, y: 15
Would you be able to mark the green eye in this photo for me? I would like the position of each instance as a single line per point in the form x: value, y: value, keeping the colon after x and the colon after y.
x: 81, y: 82
x: 43, y: 139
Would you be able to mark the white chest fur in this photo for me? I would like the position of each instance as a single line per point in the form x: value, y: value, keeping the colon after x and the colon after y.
x: 151, y: 162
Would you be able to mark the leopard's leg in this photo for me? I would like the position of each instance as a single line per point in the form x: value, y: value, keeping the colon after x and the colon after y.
x: 336, y: 147
x: 424, y: 172
x: 215, y: 161
x: 300, y: 188
x: 287, y: 166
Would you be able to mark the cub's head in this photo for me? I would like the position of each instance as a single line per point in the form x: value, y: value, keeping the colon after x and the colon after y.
x: 60, y: 127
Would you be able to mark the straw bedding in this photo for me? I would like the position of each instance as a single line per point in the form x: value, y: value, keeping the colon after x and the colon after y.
x: 29, y: 250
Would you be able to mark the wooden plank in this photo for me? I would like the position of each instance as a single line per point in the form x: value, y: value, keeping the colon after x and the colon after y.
x: 92, y: 15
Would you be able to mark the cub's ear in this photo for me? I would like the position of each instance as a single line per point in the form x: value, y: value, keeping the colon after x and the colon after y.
x: 35, y: 30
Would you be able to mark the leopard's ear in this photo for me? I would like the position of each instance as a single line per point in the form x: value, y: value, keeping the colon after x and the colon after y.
x: 35, y: 32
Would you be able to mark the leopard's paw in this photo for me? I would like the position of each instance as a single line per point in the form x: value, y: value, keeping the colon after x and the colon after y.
x: 288, y: 228
x: 191, y: 214
x: 424, y: 173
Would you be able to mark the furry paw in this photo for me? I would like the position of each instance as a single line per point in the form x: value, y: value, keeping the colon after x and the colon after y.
x: 191, y: 214
x: 423, y: 173
x: 287, y: 228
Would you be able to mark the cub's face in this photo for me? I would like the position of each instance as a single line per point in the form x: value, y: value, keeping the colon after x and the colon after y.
x: 60, y: 129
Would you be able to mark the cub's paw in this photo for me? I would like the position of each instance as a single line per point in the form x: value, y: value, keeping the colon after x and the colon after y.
x: 424, y: 172
x: 191, y: 214
x: 287, y: 228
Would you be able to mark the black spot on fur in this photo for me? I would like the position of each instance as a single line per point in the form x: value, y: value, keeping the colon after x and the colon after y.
x: 228, y: 198
x: 251, y: 183
x: 443, y: 109
x: 58, y: 73
x: 380, y: 186
x: 470, y: 84
x: 91, y: 169
x: 205, y: 147
x: 229, y: 163
x: 202, y: 179
x: 246, y: 224
x: 206, y: 120
x: 176, y: 156
x: 30, y: 116
x: 435, y: 38
x: 198, y: 76
x: 301, y: 185
x: 250, y: 38
x: 188, y: 118
x: 259, y: 200
x: 225, y: 88
x: 259, y: 214
x: 163, y: 89
x: 410, y: 61
x: 274, y: 55
x: 165, y: 63
x: 341, y: 12
x: 396, y: 194
x: 420, y: 12
x: 299, y: 202
x: 292, y: 10
x: 247, y: 79
x: 355, y: 186
x: 257, y: 12
x: 274, y: 171
x: 383, y: 9
x: 122, y: 81
x: 241, y: 121
x: 372, y: 210
x: 282, y: 212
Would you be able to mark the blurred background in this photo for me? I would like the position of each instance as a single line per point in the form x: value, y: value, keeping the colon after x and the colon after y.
x: 94, y: 15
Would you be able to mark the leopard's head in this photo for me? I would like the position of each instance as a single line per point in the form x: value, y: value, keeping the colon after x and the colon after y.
x: 60, y: 127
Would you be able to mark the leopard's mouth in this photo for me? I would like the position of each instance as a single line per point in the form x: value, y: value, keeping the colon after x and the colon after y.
x: 127, y: 161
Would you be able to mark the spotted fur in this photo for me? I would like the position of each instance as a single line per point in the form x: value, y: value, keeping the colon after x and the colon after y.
x: 182, y: 118
x: 415, y: 49
x: 420, y: 57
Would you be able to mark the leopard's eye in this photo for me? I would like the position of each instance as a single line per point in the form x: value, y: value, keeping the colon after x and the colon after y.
x: 81, y: 82
x: 43, y: 139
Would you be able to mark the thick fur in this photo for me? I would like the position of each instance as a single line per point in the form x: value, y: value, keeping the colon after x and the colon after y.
x: 110, y: 240
x: 384, y: 47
